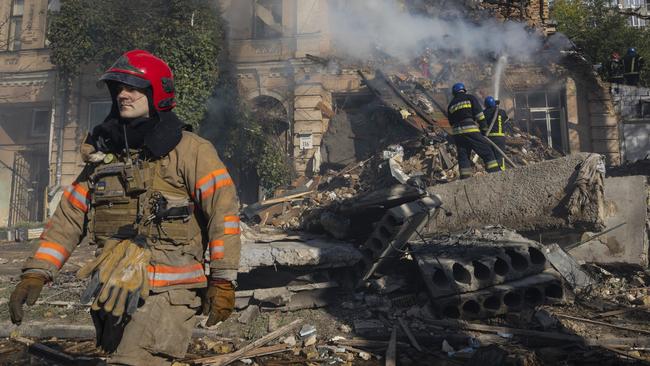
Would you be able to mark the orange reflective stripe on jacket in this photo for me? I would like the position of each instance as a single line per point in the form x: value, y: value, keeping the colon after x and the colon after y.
x: 216, y: 249
x: 162, y: 276
x: 231, y: 225
x: 78, y: 196
x: 208, y: 184
x: 53, y: 253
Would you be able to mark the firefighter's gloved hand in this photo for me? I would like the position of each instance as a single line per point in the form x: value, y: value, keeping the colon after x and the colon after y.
x: 219, y: 301
x: 26, y: 291
x: 111, y: 254
x: 128, y: 282
x: 119, y: 278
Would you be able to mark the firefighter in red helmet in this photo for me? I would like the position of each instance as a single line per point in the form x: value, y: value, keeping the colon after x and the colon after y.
x: 158, y: 203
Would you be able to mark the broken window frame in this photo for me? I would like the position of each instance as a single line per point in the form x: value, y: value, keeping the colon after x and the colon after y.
x: 554, y: 117
x: 261, y: 29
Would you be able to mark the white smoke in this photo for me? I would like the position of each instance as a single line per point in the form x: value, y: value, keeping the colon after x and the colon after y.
x: 359, y: 28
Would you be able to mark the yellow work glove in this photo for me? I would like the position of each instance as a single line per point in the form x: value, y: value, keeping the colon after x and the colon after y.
x: 101, y: 268
x: 119, y: 278
x: 105, y: 262
x: 219, y: 301
x: 26, y: 291
x: 128, y: 283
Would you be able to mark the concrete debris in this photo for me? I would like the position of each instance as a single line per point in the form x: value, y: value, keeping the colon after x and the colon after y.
x: 449, y: 270
x: 315, y: 253
x: 568, y: 267
x: 276, y: 296
x: 393, y: 232
x: 626, y: 201
x: 470, y: 202
x: 249, y: 314
x: 528, y: 292
x: 290, y: 340
x: 478, y: 275
x: 386, y: 212
x: 307, y: 330
x: 309, y: 340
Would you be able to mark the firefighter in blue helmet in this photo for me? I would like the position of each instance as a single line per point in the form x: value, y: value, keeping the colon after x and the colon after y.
x: 497, y: 133
x: 632, y: 65
x: 467, y: 119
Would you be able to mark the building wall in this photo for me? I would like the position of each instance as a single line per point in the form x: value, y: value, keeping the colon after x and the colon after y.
x: 27, y: 83
x: 633, y: 106
x: 278, y: 67
x: 535, y: 12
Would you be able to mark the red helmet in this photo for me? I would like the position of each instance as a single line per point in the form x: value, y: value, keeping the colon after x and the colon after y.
x: 143, y: 70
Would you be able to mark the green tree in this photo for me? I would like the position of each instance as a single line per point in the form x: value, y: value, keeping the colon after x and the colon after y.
x: 188, y: 34
x: 598, y: 29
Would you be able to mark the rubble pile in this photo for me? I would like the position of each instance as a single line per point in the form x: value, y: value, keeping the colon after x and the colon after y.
x: 470, y: 277
x: 524, y: 148
x: 421, y: 162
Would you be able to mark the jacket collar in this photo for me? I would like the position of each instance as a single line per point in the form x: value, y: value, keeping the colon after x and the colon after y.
x: 158, y: 141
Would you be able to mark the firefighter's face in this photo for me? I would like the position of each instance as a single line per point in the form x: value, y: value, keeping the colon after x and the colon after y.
x: 132, y: 102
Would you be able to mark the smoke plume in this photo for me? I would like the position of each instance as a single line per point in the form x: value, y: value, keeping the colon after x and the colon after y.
x: 361, y: 28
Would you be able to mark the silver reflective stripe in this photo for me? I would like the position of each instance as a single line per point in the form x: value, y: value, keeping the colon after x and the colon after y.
x: 231, y: 225
x: 219, y: 249
x: 52, y: 252
x: 212, y: 182
x: 79, y: 196
x: 175, y: 276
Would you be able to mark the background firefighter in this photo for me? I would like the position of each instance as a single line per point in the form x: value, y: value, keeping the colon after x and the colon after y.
x: 632, y: 65
x: 151, y: 192
x: 615, y: 69
x: 497, y: 133
x: 467, y: 119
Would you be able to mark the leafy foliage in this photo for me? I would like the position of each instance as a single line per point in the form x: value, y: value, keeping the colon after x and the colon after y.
x: 187, y: 34
x: 243, y: 137
x: 598, y: 29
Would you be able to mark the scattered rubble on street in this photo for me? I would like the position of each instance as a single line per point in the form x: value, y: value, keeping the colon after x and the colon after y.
x: 386, y: 257
x: 353, y: 271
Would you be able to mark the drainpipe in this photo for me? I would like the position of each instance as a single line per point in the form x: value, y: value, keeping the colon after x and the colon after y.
x: 59, y: 142
x: 50, y: 142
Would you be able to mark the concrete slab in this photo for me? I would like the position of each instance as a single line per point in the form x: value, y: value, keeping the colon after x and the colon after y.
x: 625, y: 201
x: 313, y: 253
x: 526, y: 198
x: 528, y: 292
x: 567, y: 266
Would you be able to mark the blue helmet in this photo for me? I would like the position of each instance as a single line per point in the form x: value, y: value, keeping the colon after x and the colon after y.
x: 458, y: 88
x: 490, y: 101
x: 631, y: 51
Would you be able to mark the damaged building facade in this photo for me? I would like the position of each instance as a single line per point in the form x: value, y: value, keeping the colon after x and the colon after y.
x: 276, y: 46
x: 281, y: 51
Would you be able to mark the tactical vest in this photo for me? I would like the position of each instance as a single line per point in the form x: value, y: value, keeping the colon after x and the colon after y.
x: 130, y: 199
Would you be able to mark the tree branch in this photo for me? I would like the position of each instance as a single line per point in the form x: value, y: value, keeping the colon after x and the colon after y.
x: 634, y: 12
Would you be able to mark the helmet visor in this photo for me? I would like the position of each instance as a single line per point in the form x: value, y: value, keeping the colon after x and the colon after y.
x: 127, y: 79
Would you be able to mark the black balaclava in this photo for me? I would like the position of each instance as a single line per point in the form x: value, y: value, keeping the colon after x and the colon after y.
x: 158, y: 134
